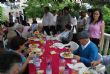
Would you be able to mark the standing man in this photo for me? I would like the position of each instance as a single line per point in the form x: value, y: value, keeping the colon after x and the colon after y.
x: 47, y: 20
x: 66, y: 17
x: 21, y: 16
x: 10, y: 17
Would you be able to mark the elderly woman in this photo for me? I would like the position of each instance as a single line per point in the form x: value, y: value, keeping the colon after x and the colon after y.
x: 19, y: 30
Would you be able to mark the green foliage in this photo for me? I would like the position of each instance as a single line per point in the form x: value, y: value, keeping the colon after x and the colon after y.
x: 35, y: 7
x: 1, y: 15
x: 106, y: 12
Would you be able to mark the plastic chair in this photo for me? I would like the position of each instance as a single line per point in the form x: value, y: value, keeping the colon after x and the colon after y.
x: 5, y: 41
x: 73, y: 45
x: 99, y: 56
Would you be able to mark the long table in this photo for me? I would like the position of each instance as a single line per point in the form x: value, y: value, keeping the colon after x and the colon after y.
x: 54, y: 58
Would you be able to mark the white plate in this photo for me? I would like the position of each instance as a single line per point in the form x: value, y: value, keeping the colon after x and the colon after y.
x: 89, y: 71
x: 63, y: 54
x: 77, y: 66
x: 59, y: 45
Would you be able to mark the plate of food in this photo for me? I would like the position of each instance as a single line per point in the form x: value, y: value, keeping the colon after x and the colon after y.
x: 66, y: 54
x: 33, y: 45
x: 59, y: 45
x: 87, y: 71
x: 36, y: 51
x: 33, y: 38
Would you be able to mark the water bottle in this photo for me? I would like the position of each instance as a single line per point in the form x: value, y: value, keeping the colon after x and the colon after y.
x: 37, y: 61
x: 62, y: 61
x: 61, y: 65
x: 66, y: 71
x: 49, y: 69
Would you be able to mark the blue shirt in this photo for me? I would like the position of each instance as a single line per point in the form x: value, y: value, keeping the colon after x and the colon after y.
x: 87, y: 55
x: 34, y: 27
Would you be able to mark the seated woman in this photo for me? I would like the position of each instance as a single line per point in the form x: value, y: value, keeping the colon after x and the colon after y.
x: 66, y: 35
x: 17, y: 45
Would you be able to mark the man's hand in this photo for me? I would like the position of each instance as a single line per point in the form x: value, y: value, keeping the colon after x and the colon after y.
x: 95, y: 63
x: 76, y: 57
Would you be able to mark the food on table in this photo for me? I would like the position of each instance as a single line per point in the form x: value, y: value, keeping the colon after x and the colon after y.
x: 87, y: 72
x: 42, y: 41
x: 33, y: 45
x: 53, y: 52
x: 36, y: 51
x: 36, y: 32
x: 31, y: 38
x: 67, y: 54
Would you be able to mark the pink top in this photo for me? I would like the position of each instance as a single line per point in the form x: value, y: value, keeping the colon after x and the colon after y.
x: 95, y: 30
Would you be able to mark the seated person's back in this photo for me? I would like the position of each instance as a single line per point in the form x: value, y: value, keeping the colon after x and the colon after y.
x: 65, y: 35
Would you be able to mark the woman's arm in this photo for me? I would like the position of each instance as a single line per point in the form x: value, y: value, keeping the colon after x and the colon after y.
x: 102, y: 34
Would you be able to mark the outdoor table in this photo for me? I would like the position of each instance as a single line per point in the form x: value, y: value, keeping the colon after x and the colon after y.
x: 47, y: 55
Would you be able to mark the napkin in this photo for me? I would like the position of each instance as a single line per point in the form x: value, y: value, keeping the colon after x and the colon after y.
x: 76, y: 66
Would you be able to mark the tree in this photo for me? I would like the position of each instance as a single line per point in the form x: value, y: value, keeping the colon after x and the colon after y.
x: 35, y: 7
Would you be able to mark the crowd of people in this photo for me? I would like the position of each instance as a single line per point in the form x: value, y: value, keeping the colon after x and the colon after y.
x: 89, y: 35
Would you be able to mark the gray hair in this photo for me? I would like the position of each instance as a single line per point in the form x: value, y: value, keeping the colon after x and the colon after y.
x: 19, y: 26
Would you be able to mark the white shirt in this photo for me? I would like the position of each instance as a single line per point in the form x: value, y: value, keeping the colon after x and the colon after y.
x: 54, y: 20
x: 87, y: 23
x: 47, y: 19
x: 73, y: 21
x: 84, y: 46
x: 64, y: 34
x: 82, y: 22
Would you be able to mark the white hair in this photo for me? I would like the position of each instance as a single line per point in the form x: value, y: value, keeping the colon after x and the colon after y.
x: 19, y: 26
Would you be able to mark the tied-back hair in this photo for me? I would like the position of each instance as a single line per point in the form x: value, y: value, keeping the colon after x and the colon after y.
x: 100, y: 17
x: 16, y: 42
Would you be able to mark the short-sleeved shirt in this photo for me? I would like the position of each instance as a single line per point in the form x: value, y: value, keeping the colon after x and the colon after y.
x: 95, y: 29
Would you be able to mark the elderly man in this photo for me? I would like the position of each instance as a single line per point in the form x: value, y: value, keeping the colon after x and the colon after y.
x: 87, y: 51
